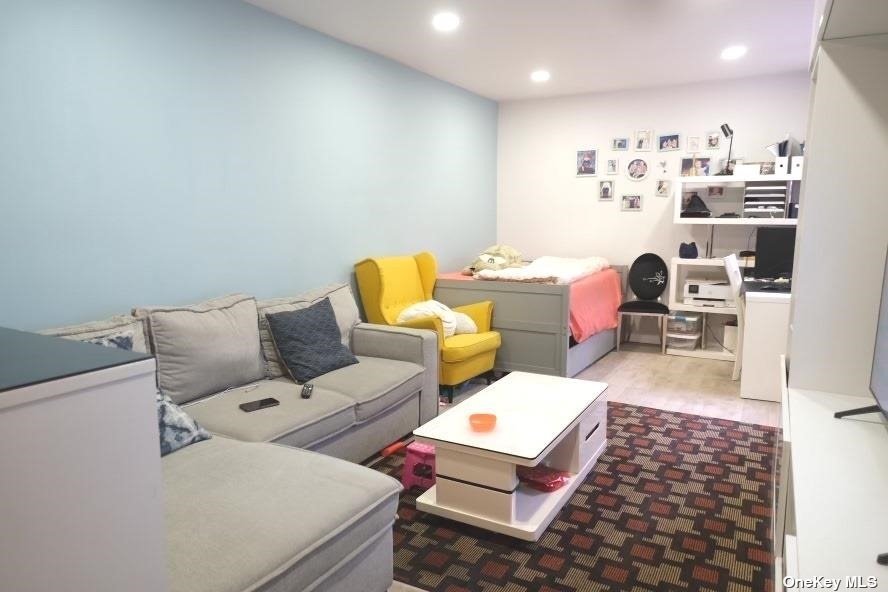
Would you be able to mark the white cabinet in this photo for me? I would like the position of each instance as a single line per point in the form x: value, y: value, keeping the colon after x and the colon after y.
x: 679, y: 271
x: 765, y: 335
x: 81, y: 504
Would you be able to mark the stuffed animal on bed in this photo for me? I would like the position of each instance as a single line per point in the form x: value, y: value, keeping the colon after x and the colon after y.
x: 496, y: 257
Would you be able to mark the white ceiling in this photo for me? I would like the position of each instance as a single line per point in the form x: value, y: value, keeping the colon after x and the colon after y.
x: 588, y: 45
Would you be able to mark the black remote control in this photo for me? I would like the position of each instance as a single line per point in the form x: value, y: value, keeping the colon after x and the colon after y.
x: 307, y: 389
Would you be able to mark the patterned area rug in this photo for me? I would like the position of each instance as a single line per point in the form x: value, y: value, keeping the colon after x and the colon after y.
x: 677, y: 502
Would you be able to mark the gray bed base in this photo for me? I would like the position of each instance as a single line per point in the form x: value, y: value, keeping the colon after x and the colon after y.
x: 532, y: 320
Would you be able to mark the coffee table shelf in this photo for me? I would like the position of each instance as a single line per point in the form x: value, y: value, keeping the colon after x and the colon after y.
x: 534, y: 510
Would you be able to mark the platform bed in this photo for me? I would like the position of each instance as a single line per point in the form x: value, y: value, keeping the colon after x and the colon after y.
x: 533, y: 322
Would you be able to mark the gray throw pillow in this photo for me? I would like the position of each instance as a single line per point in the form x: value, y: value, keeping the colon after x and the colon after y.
x: 177, y: 428
x: 308, y: 341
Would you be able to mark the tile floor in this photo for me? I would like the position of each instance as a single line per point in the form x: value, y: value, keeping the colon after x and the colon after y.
x: 640, y: 375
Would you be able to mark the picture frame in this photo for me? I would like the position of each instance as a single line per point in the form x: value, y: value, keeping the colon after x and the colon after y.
x: 637, y: 169
x: 695, y: 167
x: 631, y: 202
x: 613, y: 166
x: 606, y: 190
x: 587, y: 162
x: 668, y: 142
x: 643, y: 140
x: 715, y: 191
x: 693, y: 144
x: 767, y: 168
x: 713, y: 140
x: 663, y: 188
x: 620, y: 144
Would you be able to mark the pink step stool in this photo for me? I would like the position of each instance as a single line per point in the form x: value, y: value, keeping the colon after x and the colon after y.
x: 419, y: 466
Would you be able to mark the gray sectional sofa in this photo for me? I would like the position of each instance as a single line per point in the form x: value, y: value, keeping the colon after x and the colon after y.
x: 271, y: 502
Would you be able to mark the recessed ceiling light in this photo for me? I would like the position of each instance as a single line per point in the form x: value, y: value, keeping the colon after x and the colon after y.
x: 733, y: 52
x: 445, y: 22
x: 540, y: 75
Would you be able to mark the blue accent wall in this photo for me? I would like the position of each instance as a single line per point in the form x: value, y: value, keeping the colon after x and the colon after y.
x: 162, y: 152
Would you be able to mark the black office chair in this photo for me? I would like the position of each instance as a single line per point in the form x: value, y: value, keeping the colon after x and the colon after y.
x: 647, y: 281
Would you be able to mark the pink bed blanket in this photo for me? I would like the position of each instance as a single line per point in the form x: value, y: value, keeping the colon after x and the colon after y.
x: 594, y: 300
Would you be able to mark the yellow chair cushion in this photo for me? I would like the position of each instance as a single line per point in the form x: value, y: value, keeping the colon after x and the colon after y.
x: 468, y: 345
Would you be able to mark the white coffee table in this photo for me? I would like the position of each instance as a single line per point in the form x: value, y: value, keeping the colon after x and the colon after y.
x: 558, y: 422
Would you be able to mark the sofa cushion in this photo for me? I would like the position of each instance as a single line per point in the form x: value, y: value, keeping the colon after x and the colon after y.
x: 204, y: 348
x: 344, y: 307
x: 295, y: 422
x: 375, y: 384
x: 116, y: 328
x: 242, y: 515
x: 177, y: 429
x: 465, y: 346
x: 307, y: 341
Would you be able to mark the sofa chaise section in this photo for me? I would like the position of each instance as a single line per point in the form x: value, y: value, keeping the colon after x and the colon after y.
x: 261, y: 517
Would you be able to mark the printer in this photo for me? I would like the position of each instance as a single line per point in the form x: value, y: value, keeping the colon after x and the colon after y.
x: 707, y: 292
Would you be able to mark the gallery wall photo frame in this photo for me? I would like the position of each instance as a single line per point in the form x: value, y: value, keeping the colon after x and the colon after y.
x: 695, y: 167
x: 631, y: 202
x: 643, y: 140
x: 587, y: 162
x: 620, y: 144
x: 606, y: 190
x: 692, y: 144
x: 713, y: 140
x: 664, y: 188
x: 668, y: 142
x: 637, y: 169
x: 613, y: 166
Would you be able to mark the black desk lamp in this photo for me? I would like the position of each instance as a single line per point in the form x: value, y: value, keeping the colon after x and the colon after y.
x: 728, y: 133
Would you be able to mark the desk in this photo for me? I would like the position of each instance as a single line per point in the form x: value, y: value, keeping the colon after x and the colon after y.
x: 765, y: 335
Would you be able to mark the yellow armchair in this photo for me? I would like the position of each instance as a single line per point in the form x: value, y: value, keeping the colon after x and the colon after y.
x: 388, y: 285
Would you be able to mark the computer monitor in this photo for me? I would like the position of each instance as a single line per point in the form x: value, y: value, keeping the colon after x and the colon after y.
x: 774, y: 248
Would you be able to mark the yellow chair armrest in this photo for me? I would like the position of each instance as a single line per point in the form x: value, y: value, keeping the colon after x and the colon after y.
x: 480, y: 312
x: 430, y: 323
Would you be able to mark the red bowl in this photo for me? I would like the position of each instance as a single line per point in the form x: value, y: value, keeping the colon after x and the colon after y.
x: 482, y: 422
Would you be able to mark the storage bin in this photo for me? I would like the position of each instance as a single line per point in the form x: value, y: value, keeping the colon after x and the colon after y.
x: 686, y: 323
x: 681, y: 341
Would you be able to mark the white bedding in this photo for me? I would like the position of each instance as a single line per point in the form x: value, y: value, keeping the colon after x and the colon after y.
x: 550, y: 270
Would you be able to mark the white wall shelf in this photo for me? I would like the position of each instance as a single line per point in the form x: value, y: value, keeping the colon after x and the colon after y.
x: 740, y: 221
x: 732, y: 201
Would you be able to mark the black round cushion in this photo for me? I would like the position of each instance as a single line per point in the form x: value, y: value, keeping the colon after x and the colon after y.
x: 648, y: 276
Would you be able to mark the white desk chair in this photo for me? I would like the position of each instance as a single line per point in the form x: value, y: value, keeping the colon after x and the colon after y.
x: 735, y: 276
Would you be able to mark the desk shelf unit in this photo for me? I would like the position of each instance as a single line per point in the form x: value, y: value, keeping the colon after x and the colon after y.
x: 737, y: 190
x: 678, y: 272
